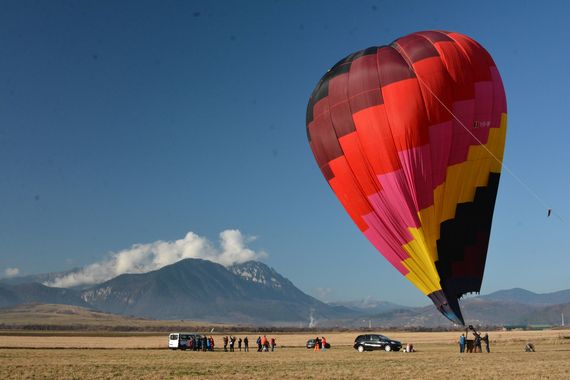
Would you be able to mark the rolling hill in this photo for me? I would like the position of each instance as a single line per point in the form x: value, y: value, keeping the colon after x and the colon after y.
x: 55, y: 317
x: 529, y: 298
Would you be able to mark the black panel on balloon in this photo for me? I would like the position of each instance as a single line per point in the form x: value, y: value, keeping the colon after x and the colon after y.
x: 462, y: 247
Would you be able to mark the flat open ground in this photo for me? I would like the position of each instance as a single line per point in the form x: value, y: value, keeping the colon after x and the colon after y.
x: 144, y: 357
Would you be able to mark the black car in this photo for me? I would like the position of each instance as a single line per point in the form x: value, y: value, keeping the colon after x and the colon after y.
x: 311, y: 344
x: 371, y: 342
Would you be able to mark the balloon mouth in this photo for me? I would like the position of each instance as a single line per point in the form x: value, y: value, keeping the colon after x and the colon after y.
x: 448, y: 306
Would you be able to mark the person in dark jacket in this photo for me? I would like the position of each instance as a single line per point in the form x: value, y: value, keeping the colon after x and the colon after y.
x: 232, y: 343
x: 486, y: 340
x: 239, y: 344
x: 477, y: 343
x: 246, y: 344
x: 211, y: 339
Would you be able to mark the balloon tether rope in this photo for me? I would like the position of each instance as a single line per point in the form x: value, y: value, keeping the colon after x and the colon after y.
x: 508, y: 170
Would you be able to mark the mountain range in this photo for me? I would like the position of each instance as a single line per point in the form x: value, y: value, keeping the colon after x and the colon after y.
x: 189, y: 289
x: 253, y: 293
x: 527, y: 297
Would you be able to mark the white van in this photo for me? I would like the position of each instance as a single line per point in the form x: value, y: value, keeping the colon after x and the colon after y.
x: 181, y: 340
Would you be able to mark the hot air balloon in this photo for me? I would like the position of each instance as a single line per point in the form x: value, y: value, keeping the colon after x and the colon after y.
x: 410, y: 138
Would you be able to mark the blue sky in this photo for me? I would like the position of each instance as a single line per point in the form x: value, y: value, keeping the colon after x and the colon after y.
x: 130, y: 122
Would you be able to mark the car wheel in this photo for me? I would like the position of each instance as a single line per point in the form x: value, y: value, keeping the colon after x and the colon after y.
x: 360, y: 348
x: 387, y: 348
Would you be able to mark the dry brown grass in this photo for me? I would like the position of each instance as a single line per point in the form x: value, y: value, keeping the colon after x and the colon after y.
x: 143, y: 357
x: 289, y: 340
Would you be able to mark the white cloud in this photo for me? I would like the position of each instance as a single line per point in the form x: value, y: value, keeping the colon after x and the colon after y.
x: 11, y: 272
x: 141, y: 258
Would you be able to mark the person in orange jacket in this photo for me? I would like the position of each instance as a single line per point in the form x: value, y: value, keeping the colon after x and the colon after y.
x: 317, y: 344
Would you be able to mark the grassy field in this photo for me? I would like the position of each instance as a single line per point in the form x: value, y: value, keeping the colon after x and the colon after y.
x: 144, y: 357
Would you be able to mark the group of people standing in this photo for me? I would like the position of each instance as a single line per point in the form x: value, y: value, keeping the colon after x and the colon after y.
x: 320, y: 344
x: 231, y: 341
x: 201, y: 343
x: 263, y: 344
x: 465, y: 346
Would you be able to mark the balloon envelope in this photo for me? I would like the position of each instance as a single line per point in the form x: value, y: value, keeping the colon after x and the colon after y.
x: 410, y: 138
